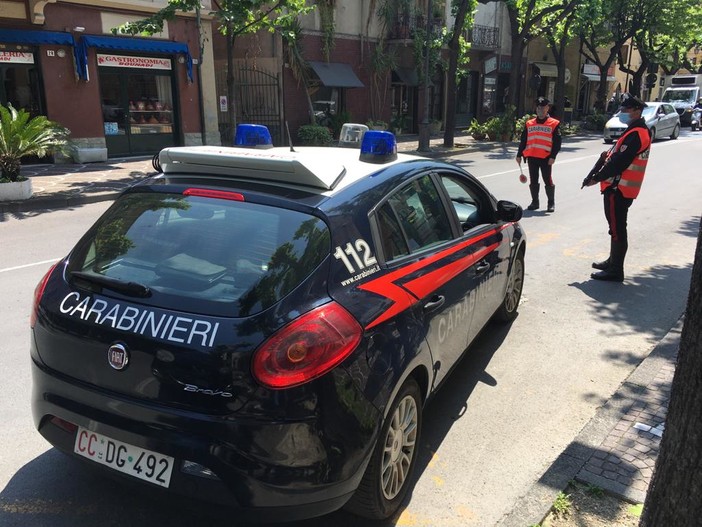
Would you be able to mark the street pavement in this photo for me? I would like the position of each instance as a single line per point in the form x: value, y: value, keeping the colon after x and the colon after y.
x: 615, y: 451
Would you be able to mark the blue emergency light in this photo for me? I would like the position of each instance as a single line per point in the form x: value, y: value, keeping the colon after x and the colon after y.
x: 378, y: 147
x: 253, y: 136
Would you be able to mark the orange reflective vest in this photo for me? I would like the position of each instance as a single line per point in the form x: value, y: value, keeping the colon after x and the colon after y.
x: 632, y: 177
x: 540, y: 137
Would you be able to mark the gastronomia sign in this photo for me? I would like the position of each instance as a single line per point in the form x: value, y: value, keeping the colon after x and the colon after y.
x: 123, y: 61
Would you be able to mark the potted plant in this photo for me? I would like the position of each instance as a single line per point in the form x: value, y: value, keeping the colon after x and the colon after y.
x: 477, y: 130
x: 377, y: 124
x: 398, y: 124
x: 20, y: 136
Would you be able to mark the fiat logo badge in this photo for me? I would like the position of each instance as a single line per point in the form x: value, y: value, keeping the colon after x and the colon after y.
x: 118, y: 356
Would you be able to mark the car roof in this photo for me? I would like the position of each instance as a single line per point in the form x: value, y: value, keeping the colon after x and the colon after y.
x: 321, y: 170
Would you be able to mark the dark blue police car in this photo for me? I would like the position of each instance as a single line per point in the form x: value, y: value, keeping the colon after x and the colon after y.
x: 261, y: 328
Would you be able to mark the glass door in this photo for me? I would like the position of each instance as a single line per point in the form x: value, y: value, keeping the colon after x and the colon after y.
x: 138, y: 112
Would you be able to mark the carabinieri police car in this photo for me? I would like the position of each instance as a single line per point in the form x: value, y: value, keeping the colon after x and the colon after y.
x: 262, y: 328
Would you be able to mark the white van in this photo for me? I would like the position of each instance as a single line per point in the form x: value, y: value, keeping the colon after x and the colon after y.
x: 682, y: 93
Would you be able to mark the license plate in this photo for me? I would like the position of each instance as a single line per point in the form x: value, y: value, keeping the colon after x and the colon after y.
x: 128, y: 459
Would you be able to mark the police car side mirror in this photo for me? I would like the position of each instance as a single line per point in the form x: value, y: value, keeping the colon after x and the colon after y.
x: 508, y: 211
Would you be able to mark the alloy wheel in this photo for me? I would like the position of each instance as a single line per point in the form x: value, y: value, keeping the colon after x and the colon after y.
x: 400, y: 443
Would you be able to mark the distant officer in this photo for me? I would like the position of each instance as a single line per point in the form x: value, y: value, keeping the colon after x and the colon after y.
x: 541, y: 141
x: 620, y: 172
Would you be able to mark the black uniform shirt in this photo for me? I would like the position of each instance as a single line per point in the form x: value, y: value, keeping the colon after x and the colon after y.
x: 620, y: 160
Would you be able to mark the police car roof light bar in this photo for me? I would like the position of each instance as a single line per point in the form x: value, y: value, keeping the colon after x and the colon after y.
x: 378, y: 147
x: 253, y: 136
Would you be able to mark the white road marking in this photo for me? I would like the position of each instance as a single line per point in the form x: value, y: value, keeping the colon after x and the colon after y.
x: 29, y: 265
x: 576, y: 159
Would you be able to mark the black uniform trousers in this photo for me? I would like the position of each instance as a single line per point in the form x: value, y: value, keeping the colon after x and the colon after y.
x: 616, y: 209
x: 535, y: 164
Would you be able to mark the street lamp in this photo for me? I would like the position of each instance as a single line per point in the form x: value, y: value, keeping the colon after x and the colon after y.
x: 424, y: 126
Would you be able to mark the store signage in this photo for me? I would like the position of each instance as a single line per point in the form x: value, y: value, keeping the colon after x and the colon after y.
x: 490, y: 65
x: 17, y: 57
x: 122, y: 61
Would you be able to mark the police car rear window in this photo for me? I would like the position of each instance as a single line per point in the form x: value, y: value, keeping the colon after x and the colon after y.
x: 198, y: 254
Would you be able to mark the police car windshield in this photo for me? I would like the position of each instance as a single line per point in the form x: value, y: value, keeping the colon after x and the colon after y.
x: 204, y: 255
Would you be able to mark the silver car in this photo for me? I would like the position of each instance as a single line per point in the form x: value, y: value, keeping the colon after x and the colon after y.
x: 661, y: 118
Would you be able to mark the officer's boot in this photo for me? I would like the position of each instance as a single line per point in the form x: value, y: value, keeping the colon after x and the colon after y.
x: 551, y: 194
x: 604, y: 264
x: 534, y: 188
x: 615, y: 271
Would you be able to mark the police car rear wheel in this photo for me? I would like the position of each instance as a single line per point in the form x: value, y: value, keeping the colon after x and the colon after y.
x: 385, y: 483
x: 508, y: 310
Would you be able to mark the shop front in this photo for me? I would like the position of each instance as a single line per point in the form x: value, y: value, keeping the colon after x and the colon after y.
x: 138, y: 111
x: 138, y: 91
x: 20, y: 72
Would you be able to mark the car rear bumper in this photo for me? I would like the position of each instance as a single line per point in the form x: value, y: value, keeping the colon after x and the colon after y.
x: 255, y: 477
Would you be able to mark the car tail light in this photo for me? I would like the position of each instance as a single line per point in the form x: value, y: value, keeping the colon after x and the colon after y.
x: 307, y: 347
x: 38, y: 293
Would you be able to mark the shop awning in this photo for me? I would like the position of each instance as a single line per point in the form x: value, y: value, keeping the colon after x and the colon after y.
x: 336, y: 74
x: 36, y: 38
x: 406, y: 76
x: 547, y: 70
x: 145, y: 45
x: 596, y: 78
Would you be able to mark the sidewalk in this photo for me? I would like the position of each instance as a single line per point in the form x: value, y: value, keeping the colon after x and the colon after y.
x: 68, y: 185
x: 615, y: 451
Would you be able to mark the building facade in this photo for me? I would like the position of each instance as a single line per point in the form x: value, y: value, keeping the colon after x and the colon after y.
x: 118, y: 95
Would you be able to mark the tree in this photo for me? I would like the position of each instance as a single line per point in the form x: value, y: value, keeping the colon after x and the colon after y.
x: 463, y: 16
x: 527, y: 19
x: 235, y: 18
x: 558, y: 35
x: 674, y: 494
x: 292, y: 35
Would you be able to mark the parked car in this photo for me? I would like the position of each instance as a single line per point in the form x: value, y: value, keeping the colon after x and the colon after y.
x: 661, y: 118
x: 262, y: 328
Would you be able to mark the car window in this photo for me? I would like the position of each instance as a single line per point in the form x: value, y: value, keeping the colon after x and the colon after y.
x: 226, y: 258
x: 470, y: 204
x: 417, y: 211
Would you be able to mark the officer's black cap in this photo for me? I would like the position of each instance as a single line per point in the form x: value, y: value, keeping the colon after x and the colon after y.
x: 542, y: 101
x: 632, y: 102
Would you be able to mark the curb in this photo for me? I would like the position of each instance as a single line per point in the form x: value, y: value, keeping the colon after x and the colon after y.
x: 534, y: 506
x: 54, y: 201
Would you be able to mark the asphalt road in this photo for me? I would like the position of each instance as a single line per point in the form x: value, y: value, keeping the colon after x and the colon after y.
x: 511, y: 406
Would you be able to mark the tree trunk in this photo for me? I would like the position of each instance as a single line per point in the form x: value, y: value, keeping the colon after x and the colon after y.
x: 674, y: 494
x: 451, y: 88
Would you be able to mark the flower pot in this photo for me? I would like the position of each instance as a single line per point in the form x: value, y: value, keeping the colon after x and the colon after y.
x: 16, y: 190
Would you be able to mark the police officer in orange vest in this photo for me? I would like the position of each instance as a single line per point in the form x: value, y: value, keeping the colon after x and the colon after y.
x: 541, y: 141
x: 620, y: 173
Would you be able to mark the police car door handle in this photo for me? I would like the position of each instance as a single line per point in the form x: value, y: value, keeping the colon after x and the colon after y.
x: 482, y: 267
x: 435, y: 302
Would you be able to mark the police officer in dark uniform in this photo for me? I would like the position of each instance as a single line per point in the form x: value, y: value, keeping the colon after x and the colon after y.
x: 620, y: 173
x: 540, y: 143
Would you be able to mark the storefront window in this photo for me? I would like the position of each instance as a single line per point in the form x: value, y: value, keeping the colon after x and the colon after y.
x: 137, y: 105
x: 19, y: 82
x: 150, y: 104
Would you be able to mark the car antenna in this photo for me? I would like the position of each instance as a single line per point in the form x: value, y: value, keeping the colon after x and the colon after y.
x: 289, y: 137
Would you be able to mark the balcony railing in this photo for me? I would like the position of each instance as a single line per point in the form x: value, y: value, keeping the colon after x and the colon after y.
x: 484, y: 37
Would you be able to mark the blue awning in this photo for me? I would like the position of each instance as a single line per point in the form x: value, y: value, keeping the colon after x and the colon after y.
x: 130, y: 44
x: 35, y: 38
